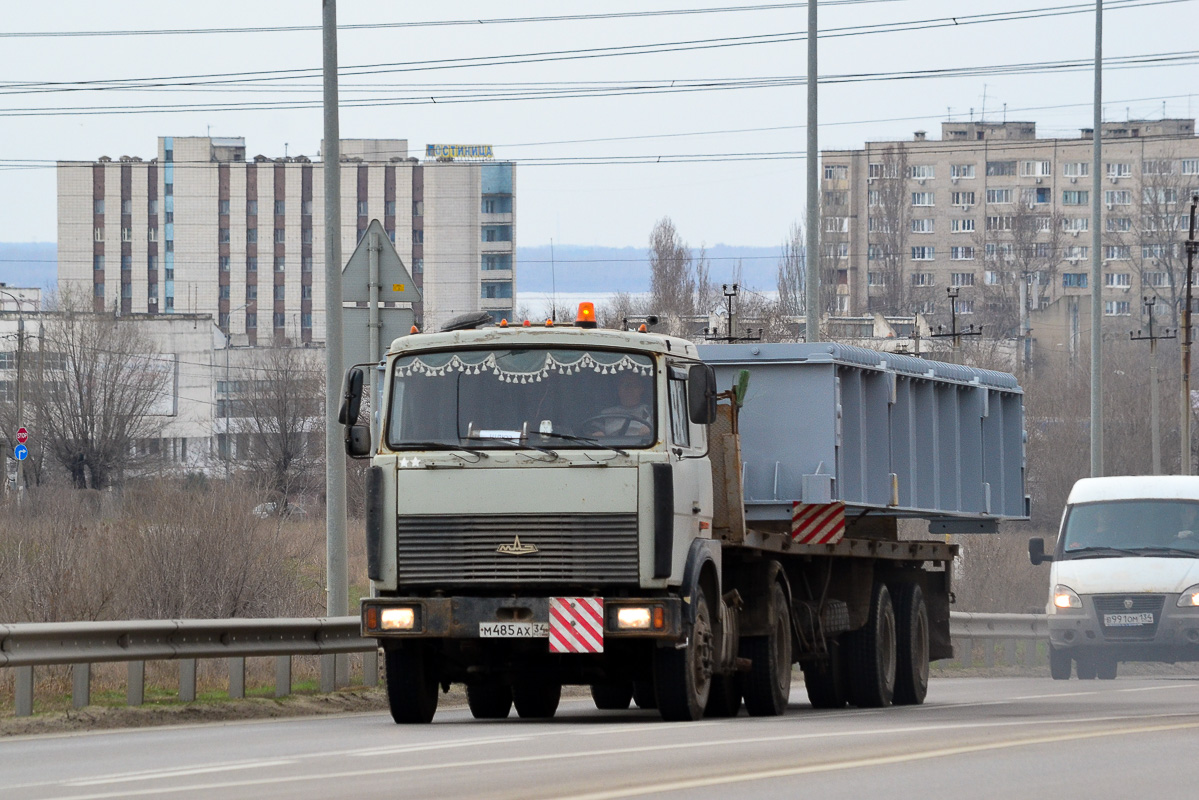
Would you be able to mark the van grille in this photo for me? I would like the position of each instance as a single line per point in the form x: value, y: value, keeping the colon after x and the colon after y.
x: 1141, y: 603
x: 571, y: 548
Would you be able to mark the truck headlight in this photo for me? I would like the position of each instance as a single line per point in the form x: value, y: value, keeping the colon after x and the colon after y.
x: 397, y: 619
x: 1189, y: 597
x: 635, y: 618
x: 1065, y: 597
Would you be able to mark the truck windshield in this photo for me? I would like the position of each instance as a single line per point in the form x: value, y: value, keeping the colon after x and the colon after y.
x: 565, y: 399
x: 1131, y: 528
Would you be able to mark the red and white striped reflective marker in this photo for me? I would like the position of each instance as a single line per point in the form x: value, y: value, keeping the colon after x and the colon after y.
x: 817, y: 523
x: 576, y: 624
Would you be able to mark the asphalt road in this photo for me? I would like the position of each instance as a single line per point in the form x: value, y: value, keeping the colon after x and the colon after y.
x: 974, y: 738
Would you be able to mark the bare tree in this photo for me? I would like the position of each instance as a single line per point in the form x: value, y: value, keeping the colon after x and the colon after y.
x: 278, y: 407
x: 791, y: 277
x: 888, y: 226
x: 99, y: 395
x: 672, y: 277
x: 1154, y: 239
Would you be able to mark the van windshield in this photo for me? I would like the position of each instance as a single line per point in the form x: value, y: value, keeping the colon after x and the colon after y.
x: 532, y: 397
x: 1131, y: 527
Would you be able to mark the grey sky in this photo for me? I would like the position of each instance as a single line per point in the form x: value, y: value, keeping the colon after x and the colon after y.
x: 748, y: 202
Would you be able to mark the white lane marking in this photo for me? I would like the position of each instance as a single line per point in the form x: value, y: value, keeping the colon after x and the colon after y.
x: 789, y: 772
x: 1056, y: 694
x: 617, y: 751
x: 417, y: 748
x: 1156, y: 688
x: 634, y: 727
x: 151, y: 775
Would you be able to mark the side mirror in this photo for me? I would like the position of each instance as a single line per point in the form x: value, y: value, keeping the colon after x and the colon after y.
x: 1036, y: 552
x: 358, y: 441
x: 701, y: 394
x: 351, y: 398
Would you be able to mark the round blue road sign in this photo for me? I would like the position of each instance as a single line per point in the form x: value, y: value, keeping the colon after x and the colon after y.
x: 22, y: 451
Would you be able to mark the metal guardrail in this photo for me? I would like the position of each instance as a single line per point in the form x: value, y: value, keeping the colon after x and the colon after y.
x: 28, y: 645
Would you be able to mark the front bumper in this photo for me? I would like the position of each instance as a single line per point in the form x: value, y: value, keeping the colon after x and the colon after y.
x: 1173, y: 636
x: 461, y: 617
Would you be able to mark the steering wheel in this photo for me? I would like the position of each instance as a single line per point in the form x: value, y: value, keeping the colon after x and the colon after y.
x: 599, y: 423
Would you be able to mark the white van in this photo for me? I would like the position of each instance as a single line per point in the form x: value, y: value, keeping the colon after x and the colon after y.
x: 1124, y: 585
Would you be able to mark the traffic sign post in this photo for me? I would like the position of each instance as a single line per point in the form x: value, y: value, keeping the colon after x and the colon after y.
x: 22, y: 435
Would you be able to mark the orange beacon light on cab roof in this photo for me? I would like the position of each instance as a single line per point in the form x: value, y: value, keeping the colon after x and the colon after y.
x: 586, y: 316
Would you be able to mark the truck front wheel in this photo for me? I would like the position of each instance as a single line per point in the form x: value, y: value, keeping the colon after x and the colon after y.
x: 411, y: 683
x: 871, y: 654
x: 1060, y: 664
x: 683, y: 675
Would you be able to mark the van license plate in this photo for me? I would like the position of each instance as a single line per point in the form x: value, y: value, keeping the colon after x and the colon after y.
x: 514, y: 630
x: 1127, y: 620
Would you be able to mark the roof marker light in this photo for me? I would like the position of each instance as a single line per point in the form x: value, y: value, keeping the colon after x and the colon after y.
x: 527, y: 324
x: 586, y: 316
x: 503, y: 323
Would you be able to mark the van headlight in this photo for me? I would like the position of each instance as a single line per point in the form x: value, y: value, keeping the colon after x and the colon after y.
x: 1189, y: 597
x: 1065, y: 597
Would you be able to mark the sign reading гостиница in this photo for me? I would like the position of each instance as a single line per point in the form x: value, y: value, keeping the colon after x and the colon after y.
x: 459, y: 151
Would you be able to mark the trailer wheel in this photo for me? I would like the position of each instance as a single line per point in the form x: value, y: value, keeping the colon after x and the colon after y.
x: 614, y: 696
x: 683, y: 676
x: 724, y: 700
x: 643, y: 694
x: 1059, y: 664
x: 536, y: 699
x: 825, y: 680
x: 767, y: 685
x: 871, y: 656
x: 489, y: 700
x: 411, y: 683
x: 911, y: 670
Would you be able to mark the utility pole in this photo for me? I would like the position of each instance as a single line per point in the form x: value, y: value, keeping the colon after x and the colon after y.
x: 334, y: 670
x: 952, y: 293
x: 1185, y: 403
x: 1096, y: 257
x: 1154, y: 403
x: 812, y: 246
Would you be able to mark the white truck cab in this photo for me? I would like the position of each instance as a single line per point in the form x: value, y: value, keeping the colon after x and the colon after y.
x: 1124, y: 584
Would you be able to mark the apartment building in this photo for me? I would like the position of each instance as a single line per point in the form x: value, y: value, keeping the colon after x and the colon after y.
x: 202, y: 228
x: 1000, y: 216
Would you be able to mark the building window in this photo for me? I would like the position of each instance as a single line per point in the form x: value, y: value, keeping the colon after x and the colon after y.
x: 280, y: 236
x: 963, y: 306
x: 223, y: 320
x: 1076, y: 169
x: 836, y: 198
x: 251, y: 208
x: 1036, y: 195
x: 962, y: 199
x: 1035, y: 169
x: 223, y: 236
x: 1159, y: 195
x: 837, y: 224
x: 1117, y: 252
x: 280, y: 319
x: 223, y: 207
x: 992, y: 278
x: 836, y: 172
x: 1072, y: 197
x: 961, y: 171
x: 1117, y: 280
x: 126, y: 262
x: 922, y: 279
x: 1075, y: 224
x: 170, y: 303
x: 492, y: 261
x: 1119, y: 169
x: 97, y: 262
x: 1157, y: 166
x: 1003, y: 223
x: 924, y: 225
x: 1076, y: 252
x: 280, y: 208
x: 418, y: 237
x: 224, y: 263
x: 921, y: 172
x: 922, y: 199
x: 251, y: 291
x: 362, y: 210
x: 152, y: 292
x: 170, y: 245
x: 224, y: 292
x: 418, y: 266
x: 98, y: 290
x: 306, y: 264
x: 1074, y: 280
x: 999, y: 195
x: 306, y: 320
x: 152, y: 206
x: 251, y: 321
x: 497, y: 233
x: 1117, y: 308
x: 152, y: 262
x: 999, y: 168
x: 961, y: 279
x: 1157, y: 250
x: 251, y: 236
x: 923, y: 253
x: 1156, y: 279
x: 306, y: 235
x: 280, y: 264
x: 98, y: 234
x: 493, y: 290
x: 874, y: 197
x: 961, y: 254
x: 251, y: 263
x: 97, y: 206
x: 305, y: 292
x: 835, y: 250
x: 280, y: 292
x: 876, y: 278
x: 152, y: 234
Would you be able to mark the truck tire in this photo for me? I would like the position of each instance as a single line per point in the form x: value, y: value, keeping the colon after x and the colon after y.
x: 489, y: 699
x: 1106, y: 668
x: 535, y: 698
x: 767, y: 685
x: 411, y: 683
x: 911, y: 627
x: 614, y: 696
x: 643, y: 694
x: 724, y: 700
x: 683, y: 676
x: 1086, y: 669
x: 825, y: 680
x: 871, y: 654
x: 1059, y: 664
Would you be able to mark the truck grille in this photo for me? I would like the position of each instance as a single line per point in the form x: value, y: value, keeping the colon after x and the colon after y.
x: 1141, y: 603
x: 570, y: 548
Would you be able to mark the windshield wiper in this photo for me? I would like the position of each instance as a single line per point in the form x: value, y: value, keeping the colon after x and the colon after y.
x: 1164, y: 550
x: 584, y: 440
x: 1100, y: 552
x: 442, y: 446
x: 517, y: 444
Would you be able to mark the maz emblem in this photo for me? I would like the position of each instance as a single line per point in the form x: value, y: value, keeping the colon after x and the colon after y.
x: 516, y: 548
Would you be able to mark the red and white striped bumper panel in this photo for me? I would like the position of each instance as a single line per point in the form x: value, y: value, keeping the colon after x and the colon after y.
x: 576, y: 624
x: 820, y: 523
